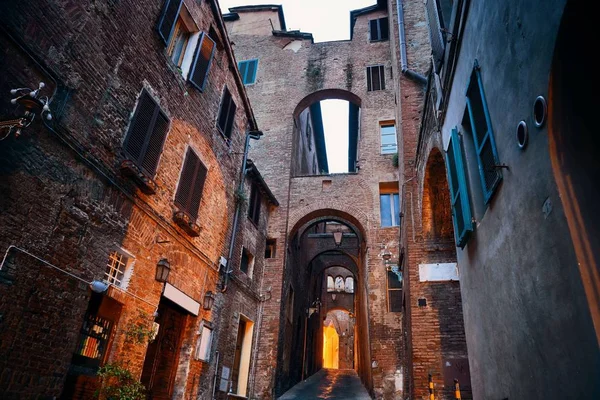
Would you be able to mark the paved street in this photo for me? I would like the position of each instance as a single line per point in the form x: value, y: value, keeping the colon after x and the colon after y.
x: 342, y: 384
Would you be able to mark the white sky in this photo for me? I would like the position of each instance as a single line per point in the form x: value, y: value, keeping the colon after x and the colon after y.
x: 327, y: 20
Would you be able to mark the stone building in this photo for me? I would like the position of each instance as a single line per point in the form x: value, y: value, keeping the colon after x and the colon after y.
x: 138, y: 173
x: 508, y: 122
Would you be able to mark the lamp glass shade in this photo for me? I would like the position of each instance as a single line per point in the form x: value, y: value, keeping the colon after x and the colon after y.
x: 162, y: 270
x: 209, y: 300
x: 337, y: 236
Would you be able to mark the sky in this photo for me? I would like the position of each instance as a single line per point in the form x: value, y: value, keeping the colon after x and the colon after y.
x: 327, y: 20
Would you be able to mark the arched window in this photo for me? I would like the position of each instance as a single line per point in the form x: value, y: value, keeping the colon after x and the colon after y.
x: 349, y: 285
x: 339, y: 284
x: 330, y: 284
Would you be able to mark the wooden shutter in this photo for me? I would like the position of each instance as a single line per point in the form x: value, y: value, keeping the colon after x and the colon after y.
x: 457, y: 183
x: 251, y: 73
x: 435, y: 32
x: 254, y: 207
x: 226, y: 114
x: 146, y: 135
x: 384, y: 29
x: 191, y: 184
x: 483, y: 136
x: 243, y: 67
x: 168, y: 18
x: 202, y: 61
x: 373, y: 30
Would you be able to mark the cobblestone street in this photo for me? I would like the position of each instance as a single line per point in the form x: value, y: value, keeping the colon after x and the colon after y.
x: 329, y: 384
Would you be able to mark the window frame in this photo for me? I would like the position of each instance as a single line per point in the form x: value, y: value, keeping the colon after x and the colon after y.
x: 244, y: 75
x: 487, y: 137
x: 383, y: 124
x: 370, y: 86
x: 249, y: 263
x: 380, y: 37
x: 204, y: 326
x: 390, y: 269
x: 254, y: 204
x: 392, y: 210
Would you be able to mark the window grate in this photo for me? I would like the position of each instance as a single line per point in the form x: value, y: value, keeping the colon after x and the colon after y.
x: 115, y: 269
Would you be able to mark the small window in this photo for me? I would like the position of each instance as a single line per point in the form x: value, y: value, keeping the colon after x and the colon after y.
x: 204, y: 342
x: 339, y: 284
x: 254, y: 206
x: 248, y: 70
x: 349, y: 285
x: 270, y: 248
x: 378, y: 29
x: 146, y: 135
x: 191, y: 184
x: 483, y: 135
x: 375, y: 78
x: 117, y: 269
x: 226, y: 114
x: 330, y: 284
x: 247, y: 262
x: 93, y: 341
x: 389, y: 143
x: 389, y: 204
x: 394, y: 285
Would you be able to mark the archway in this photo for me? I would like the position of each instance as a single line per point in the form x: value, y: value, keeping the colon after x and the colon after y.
x: 437, y: 212
x: 324, y: 121
x: 323, y: 278
x: 573, y: 142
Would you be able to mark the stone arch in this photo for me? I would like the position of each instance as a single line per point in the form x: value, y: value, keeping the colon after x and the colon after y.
x: 327, y: 208
x: 326, y: 94
x: 436, y: 204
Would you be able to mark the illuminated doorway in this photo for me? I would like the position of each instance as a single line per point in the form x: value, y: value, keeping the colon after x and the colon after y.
x: 331, y: 347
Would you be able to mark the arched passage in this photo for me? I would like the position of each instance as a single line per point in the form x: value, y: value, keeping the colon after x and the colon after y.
x: 574, y: 141
x: 437, y: 213
x: 320, y: 120
x: 323, y: 278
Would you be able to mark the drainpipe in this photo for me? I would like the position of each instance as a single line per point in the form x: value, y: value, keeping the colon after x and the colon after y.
x: 214, y: 388
x: 249, y: 135
x: 409, y: 73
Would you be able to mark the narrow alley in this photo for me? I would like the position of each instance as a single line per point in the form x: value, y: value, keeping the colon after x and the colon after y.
x: 331, y: 384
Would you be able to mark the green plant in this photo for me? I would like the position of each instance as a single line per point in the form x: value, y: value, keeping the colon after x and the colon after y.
x: 139, y: 331
x: 118, y: 383
x: 240, y: 196
x: 395, y: 160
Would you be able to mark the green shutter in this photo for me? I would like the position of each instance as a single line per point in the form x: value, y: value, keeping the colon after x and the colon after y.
x: 457, y: 182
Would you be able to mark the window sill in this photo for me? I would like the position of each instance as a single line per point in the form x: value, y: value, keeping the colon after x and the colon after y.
x: 186, y: 223
x: 134, y: 173
x: 391, y: 226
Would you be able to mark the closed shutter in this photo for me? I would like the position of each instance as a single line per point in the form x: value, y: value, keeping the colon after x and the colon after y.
x: 168, y: 19
x: 146, y: 135
x: 254, y: 207
x: 483, y: 136
x: 191, y: 184
x: 373, y: 30
x: 201, y: 66
x: 384, y: 29
x: 243, y: 67
x: 251, y: 73
x: 435, y: 32
x: 226, y: 114
x: 457, y: 183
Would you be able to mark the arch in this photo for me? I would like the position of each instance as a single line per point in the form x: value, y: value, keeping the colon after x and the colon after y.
x: 298, y: 221
x: 352, y: 266
x: 436, y: 203
x: 573, y: 144
x: 326, y: 94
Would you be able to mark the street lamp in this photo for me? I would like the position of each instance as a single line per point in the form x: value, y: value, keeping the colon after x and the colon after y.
x: 209, y: 300
x: 162, y: 270
x: 337, y: 236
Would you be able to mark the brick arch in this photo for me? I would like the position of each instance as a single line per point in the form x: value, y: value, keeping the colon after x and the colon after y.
x: 329, y: 208
x: 326, y: 94
x: 351, y: 266
x: 436, y: 204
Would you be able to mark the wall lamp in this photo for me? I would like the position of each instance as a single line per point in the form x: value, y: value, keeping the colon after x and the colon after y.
x: 163, y: 268
x: 387, y: 256
x: 33, y: 103
x: 209, y: 300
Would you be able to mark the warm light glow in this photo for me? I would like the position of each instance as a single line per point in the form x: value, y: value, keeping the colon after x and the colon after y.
x: 331, y: 347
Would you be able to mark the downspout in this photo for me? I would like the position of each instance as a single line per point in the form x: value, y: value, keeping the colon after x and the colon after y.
x: 409, y: 73
x: 249, y: 135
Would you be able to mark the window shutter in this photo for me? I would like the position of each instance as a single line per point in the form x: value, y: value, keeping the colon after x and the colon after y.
x: 147, y: 134
x: 384, y: 29
x: 191, y: 184
x: 457, y: 183
x: 369, y: 79
x: 373, y: 31
x: 435, y: 32
x: 230, y: 118
x: 204, y: 54
x: 483, y: 136
x: 226, y: 114
x: 381, y: 77
x: 243, y: 67
x: 168, y: 19
x: 251, y: 74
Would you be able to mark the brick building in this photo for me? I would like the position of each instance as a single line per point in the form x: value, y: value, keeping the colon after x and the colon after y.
x: 137, y: 173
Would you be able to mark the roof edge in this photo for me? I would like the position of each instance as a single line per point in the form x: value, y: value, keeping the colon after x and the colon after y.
x: 258, y: 7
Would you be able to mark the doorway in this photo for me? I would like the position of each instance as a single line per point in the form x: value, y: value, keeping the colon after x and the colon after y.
x: 162, y: 356
x: 243, y: 352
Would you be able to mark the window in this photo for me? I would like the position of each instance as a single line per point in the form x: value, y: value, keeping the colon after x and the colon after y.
x: 93, y: 341
x: 189, y: 50
x: 116, y: 270
x: 226, y: 114
x: 389, y: 204
x: 247, y: 262
x: 146, y: 135
x: 378, y: 29
x: 483, y: 136
x: 248, y: 70
x: 349, y: 285
x: 459, y: 197
x: 394, y: 286
x: 330, y: 284
x: 254, y: 207
x: 339, y: 284
x: 270, y: 248
x: 204, y: 342
x: 375, y: 78
x: 191, y: 184
x: 389, y: 144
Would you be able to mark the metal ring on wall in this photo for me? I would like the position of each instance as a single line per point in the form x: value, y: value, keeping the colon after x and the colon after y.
x: 522, y: 135
x: 540, y: 111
